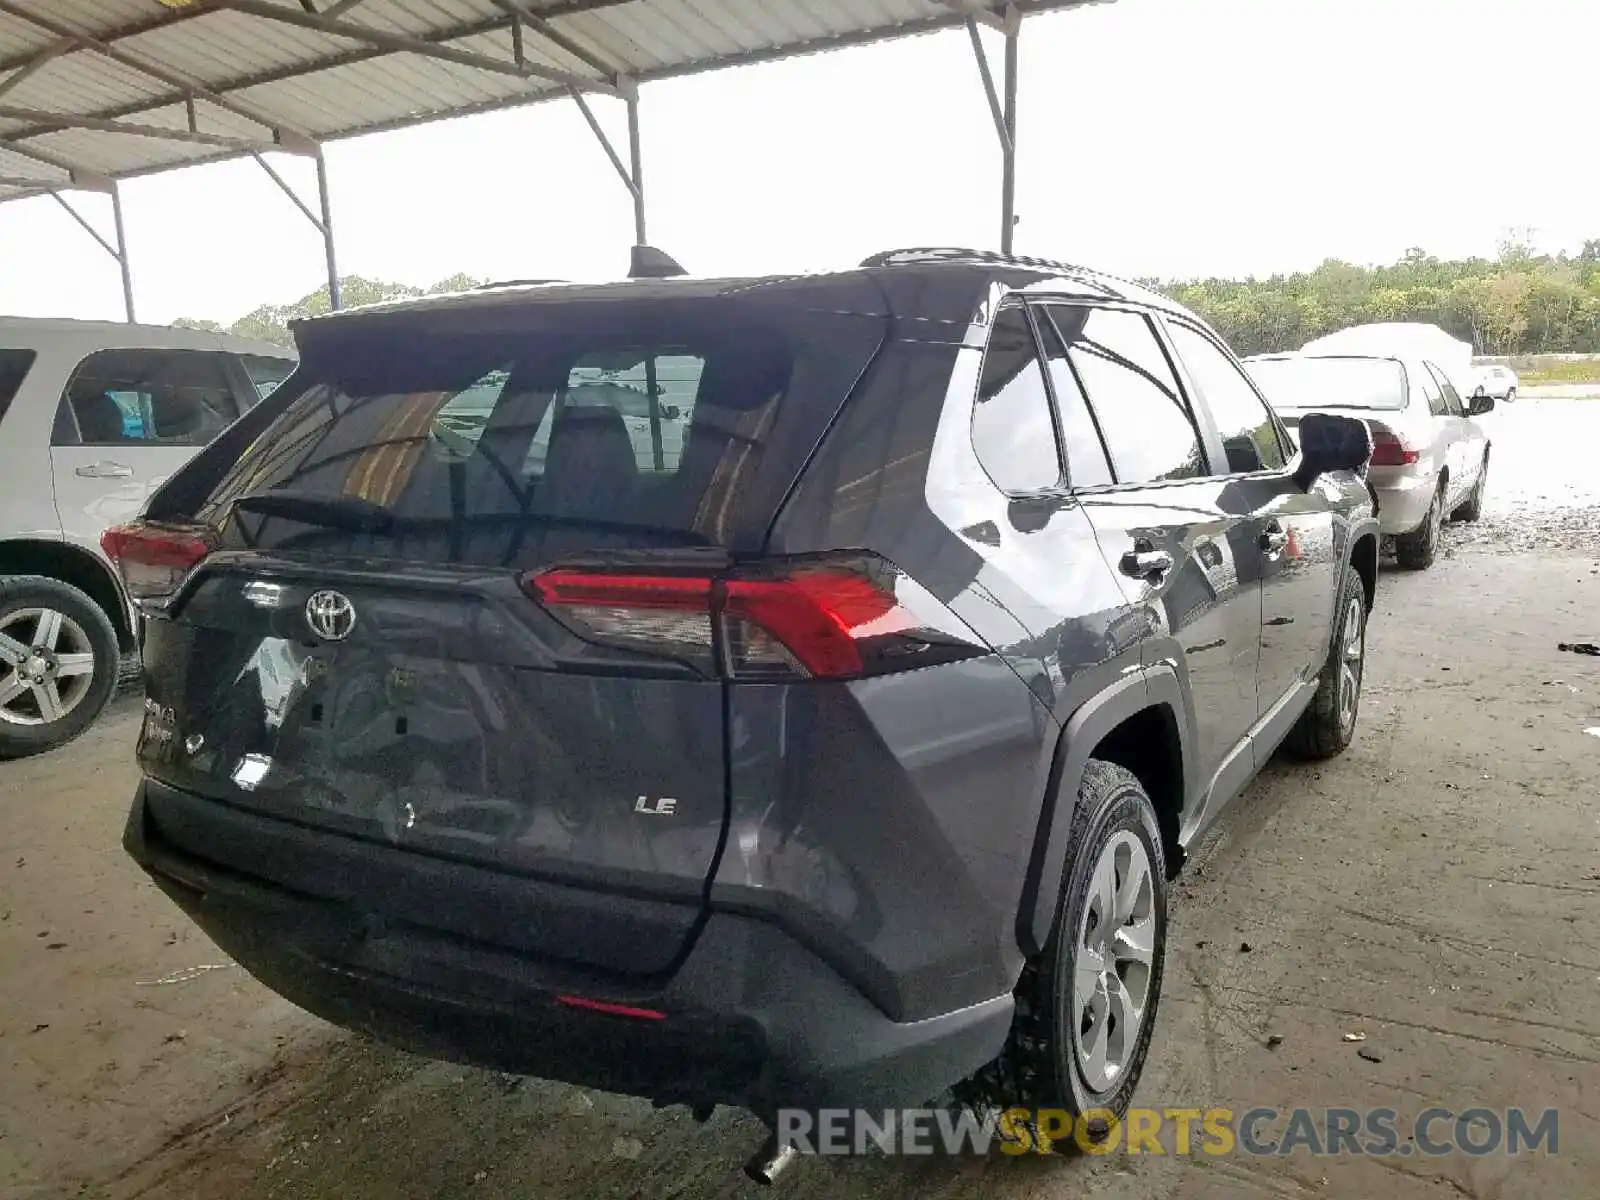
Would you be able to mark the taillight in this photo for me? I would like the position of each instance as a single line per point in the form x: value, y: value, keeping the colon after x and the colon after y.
x: 612, y: 1009
x: 1390, y: 451
x: 154, y: 559
x: 792, y: 620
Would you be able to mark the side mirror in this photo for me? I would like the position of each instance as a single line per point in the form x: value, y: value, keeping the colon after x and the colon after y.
x: 1480, y: 405
x: 1329, y: 443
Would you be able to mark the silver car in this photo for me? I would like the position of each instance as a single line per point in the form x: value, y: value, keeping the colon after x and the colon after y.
x: 1430, y: 459
x: 1497, y: 382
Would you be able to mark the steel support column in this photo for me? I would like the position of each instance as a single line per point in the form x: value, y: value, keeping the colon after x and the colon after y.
x: 631, y: 172
x: 1003, y: 108
x: 636, y: 162
x: 1008, y: 169
x: 323, y: 224
x: 335, y: 301
x: 119, y: 251
x: 122, y: 252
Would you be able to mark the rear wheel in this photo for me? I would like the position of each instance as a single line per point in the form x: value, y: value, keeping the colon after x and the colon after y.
x: 1329, y: 724
x: 58, y: 664
x: 1511, y: 395
x: 1416, y: 550
x: 1472, y: 508
x: 1087, y: 1005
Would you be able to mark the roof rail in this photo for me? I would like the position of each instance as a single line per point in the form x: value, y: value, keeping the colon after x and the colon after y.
x: 927, y: 254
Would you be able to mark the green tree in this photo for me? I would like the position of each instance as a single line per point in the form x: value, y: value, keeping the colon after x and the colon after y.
x: 1519, y: 302
x: 271, y: 322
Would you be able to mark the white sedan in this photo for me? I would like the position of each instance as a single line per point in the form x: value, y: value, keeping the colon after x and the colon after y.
x: 1496, y: 382
x: 1430, y: 459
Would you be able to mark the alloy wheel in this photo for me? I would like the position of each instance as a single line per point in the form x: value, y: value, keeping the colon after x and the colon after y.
x: 46, y: 666
x: 1352, y: 658
x: 1112, y: 972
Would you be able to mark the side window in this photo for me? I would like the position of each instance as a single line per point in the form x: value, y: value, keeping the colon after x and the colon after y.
x: 151, y: 397
x: 14, y: 366
x: 1422, y: 383
x: 1249, y: 435
x: 1012, y: 432
x: 1452, y: 398
x: 266, y: 373
x: 1132, y: 392
x: 1087, y: 464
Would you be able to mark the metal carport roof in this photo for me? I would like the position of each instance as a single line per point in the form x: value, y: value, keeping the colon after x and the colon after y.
x: 96, y: 91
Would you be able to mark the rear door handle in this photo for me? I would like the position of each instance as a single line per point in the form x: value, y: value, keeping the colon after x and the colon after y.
x: 1146, y: 564
x: 104, y: 470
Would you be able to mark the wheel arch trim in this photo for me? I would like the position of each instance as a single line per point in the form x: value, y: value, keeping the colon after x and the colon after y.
x: 121, y: 618
x: 1140, y: 689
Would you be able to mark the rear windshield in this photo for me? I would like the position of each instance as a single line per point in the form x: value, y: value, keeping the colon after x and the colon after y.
x: 1298, y: 384
x: 14, y: 365
x: 599, y: 424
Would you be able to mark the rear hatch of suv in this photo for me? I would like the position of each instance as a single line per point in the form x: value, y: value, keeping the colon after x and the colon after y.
x: 353, y: 621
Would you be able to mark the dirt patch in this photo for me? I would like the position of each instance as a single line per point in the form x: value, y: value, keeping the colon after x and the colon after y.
x: 1434, y: 889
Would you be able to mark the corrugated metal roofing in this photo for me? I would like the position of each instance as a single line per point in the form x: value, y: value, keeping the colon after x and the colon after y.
x: 229, y: 76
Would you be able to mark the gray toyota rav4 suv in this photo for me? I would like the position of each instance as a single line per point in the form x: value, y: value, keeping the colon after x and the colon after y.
x: 785, y: 692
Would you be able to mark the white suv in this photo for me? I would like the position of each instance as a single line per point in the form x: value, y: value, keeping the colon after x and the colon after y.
x: 94, y: 416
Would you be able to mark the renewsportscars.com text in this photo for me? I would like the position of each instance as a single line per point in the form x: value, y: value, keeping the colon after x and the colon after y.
x: 1378, y: 1132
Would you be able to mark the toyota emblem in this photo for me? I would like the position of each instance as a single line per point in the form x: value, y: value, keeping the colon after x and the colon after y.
x: 330, y: 615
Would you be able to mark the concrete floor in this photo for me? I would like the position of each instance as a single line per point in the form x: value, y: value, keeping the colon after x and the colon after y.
x: 1434, y: 889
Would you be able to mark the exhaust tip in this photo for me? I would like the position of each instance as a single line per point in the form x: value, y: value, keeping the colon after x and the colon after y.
x: 771, y: 1161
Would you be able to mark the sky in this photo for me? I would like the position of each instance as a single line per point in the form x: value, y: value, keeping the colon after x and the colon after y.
x: 1166, y: 138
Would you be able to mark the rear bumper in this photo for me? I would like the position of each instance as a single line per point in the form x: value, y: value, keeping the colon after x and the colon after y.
x: 1402, y: 502
x: 750, y: 1017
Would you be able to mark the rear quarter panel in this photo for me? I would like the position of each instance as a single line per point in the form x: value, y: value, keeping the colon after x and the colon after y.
x: 945, y: 770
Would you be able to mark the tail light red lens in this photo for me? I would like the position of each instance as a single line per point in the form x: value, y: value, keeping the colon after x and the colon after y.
x: 611, y: 1008
x: 805, y: 621
x: 154, y: 559
x: 1390, y: 451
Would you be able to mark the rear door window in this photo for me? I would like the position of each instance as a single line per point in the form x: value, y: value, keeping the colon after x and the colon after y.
x: 1133, y: 393
x: 149, y: 397
x: 1423, y: 383
x: 14, y: 367
x: 1452, y: 398
x: 606, y: 424
x: 1087, y: 464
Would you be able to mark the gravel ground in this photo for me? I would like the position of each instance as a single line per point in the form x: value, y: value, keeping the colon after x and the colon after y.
x: 1433, y: 889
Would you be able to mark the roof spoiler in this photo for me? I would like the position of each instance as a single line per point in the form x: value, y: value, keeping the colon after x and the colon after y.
x: 501, y: 283
x: 649, y: 263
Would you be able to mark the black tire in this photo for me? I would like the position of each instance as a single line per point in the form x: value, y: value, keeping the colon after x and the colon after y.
x: 1328, y: 724
x: 1511, y: 396
x: 1039, y: 1067
x: 24, y: 727
x: 1416, y: 550
x: 1472, y: 507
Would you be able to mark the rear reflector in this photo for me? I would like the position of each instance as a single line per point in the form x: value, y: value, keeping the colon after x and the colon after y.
x: 615, y: 1010
x: 812, y: 620
x: 154, y: 559
x: 1390, y: 451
